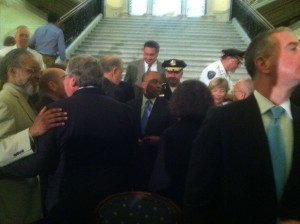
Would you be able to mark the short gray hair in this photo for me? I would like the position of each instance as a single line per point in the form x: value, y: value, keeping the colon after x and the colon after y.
x: 109, y: 62
x: 86, y: 70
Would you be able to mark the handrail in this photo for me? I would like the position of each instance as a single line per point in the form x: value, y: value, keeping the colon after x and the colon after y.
x: 261, y: 18
x: 249, y: 18
x: 72, y: 11
x: 77, y: 19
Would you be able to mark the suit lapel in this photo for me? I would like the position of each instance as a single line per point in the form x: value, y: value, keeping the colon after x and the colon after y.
x: 22, y: 100
x: 160, y: 69
x: 27, y: 109
x: 296, y: 129
x: 258, y: 146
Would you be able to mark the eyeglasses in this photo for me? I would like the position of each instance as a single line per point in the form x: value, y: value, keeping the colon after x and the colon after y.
x: 32, y: 70
x: 239, y: 60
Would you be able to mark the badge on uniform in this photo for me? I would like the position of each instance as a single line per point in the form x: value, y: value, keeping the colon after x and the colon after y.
x: 211, y: 74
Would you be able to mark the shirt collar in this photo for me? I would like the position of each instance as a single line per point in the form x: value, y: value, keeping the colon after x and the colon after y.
x: 221, y: 67
x: 145, y: 99
x: 265, y: 104
x: 153, y: 66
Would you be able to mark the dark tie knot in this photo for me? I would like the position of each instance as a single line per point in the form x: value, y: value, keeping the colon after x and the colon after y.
x: 276, y: 112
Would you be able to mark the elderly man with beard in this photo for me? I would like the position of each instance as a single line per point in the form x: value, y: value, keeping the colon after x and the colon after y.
x: 173, y: 71
x: 19, y: 125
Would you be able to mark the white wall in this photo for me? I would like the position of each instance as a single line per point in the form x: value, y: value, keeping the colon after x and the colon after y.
x: 13, y: 13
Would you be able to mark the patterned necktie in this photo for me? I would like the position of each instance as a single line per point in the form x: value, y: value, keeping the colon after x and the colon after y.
x: 277, y: 150
x: 145, y: 116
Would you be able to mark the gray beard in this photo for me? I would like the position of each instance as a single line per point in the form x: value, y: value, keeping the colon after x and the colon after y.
x: 29, y: 89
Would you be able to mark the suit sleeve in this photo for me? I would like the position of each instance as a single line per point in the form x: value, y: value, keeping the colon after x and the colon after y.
x: 12, y: 146
x: 131, y: 74
x: 37, y: 163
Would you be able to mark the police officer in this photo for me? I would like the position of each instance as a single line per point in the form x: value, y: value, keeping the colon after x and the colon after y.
x: 229, y: 62
x: 173, y: 73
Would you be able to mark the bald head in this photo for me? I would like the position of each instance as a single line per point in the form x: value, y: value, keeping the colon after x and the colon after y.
x: 51, y: 83
x: 243, y: 88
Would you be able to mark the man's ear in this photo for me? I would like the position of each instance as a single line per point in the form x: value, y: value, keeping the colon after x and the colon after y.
x: 264, y: 65
x: 144, y: 85
x: 52, y: 86
x: 73, y: 81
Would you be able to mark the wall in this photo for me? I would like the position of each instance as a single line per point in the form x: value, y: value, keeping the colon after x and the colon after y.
x: 216, y: 8
x: 14, y: 13
x: 115, y: 8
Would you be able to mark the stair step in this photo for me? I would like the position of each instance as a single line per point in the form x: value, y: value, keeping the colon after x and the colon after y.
x: 197, y: 41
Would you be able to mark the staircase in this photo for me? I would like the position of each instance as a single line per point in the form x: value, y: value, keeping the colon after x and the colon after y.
x: 197, y: 41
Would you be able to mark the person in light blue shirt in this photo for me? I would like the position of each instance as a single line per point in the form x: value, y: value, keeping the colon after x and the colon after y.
x: 49, y: 41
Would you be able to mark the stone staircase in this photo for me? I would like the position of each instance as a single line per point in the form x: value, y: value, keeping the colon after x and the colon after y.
x: 197, y: 41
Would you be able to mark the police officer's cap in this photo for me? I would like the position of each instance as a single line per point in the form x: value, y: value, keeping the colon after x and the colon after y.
x: 174, y: 65
x: 233, y: 52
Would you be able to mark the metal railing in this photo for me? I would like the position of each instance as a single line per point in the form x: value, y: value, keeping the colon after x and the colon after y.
x: 251, y: 20
x: 76, y: 20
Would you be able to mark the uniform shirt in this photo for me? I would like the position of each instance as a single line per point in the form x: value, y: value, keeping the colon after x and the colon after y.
x: 49, y: 40
x: 38, y: 57
x: 214, y: 70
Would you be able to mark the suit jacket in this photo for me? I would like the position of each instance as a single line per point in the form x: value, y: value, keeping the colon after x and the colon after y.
x: 159, y: 118
x: 89, y: 157
x: 112, y: 90
x: 19, y: 197
x: 158, y: 121
x: 230, y: 177
x: 166, y: 91
x: 136, y: 69
x: 127, y: 91
x: 169, y: 174
x: 44, y: 101
x: 295, y: 98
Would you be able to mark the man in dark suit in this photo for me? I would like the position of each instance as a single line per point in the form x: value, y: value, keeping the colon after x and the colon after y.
x: 233, y: 177
x: 136, y: 69
x: 91, y: 156
x: 173, y: 73
x: 51, y: 87
x: 112, y: 69
x: 158, y: 120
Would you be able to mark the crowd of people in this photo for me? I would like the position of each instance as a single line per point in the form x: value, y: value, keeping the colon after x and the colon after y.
x: 74, y: 133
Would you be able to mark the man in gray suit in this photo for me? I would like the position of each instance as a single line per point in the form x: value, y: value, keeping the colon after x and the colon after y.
x: 136, y: 69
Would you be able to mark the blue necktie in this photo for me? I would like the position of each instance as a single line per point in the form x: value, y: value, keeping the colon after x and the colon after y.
x: 277, y: 150
x: 145, y: 116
